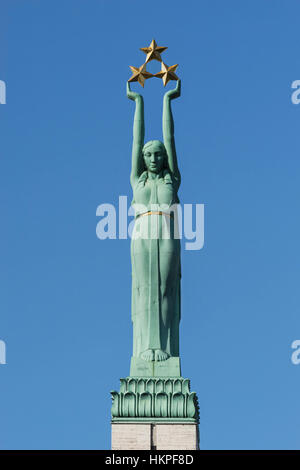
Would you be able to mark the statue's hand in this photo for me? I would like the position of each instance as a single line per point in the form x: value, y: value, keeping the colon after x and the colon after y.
x: 131, y: 94
x: 175, y: 93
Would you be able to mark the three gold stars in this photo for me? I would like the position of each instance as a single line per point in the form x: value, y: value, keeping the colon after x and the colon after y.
x: 140, y: 74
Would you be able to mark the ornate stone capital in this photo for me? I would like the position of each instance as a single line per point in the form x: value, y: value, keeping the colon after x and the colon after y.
x: 168, y: 398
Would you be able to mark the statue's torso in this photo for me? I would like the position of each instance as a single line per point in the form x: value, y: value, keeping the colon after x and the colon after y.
x: 160, y: 192
x: 159, y: 197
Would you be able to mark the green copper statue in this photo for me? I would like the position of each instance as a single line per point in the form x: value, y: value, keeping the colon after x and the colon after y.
x: 155, y: 390
x: 155, y: 256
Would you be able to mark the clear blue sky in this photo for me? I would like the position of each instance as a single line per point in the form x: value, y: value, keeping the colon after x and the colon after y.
x: 65, y: 149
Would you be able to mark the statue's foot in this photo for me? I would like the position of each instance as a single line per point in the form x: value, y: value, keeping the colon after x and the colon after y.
x: 161, y: 355
x: 148, y: 355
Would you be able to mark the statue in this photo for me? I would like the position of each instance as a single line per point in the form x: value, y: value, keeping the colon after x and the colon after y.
x: 155, y: 387
x: 155, y: 180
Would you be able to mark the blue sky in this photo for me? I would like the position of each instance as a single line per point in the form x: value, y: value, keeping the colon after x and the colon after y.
x: 65, y: 148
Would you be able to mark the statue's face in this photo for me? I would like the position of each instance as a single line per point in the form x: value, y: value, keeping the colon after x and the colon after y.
x: 154, y: 156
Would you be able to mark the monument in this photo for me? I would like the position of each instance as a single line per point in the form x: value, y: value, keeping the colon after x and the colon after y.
x: 154, y: 408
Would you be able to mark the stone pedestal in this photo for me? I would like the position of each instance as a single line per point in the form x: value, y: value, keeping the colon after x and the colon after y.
x: 154, y: 436
x: 130, y: 436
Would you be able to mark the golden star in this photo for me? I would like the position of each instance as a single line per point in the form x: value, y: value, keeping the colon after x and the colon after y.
x: 140, y: 74
x: 153, y: 51
x: 167, y: 73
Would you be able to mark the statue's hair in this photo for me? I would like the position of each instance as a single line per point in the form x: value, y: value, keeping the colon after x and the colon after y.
x: 150, y: 142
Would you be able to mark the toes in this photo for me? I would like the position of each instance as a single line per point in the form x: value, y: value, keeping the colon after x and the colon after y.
x: 148, y: 356
x: 161, y: 356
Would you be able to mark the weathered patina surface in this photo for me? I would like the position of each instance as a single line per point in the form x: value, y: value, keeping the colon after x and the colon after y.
x: 155, y: 246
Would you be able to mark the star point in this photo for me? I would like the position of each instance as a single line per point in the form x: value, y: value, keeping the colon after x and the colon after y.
x: 140, y: 74
x: 167, y: 73
x: 153, y: 51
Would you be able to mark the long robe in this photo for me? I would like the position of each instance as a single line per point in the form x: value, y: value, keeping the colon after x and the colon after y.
x: 156, y: 272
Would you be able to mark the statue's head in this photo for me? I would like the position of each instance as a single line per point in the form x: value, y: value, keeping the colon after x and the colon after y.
x: 155, y: 156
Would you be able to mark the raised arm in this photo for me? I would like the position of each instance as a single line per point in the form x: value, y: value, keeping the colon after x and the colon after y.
x: 168, y: 130
x: 137, y: 165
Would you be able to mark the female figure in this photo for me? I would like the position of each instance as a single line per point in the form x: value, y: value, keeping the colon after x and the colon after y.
x: 155, y: 246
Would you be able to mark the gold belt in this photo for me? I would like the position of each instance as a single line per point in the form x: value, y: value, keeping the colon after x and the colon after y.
x: 156, y: 213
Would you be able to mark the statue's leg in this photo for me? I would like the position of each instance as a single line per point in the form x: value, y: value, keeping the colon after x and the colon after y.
x: 169, y: 276
x: 141, y: 274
